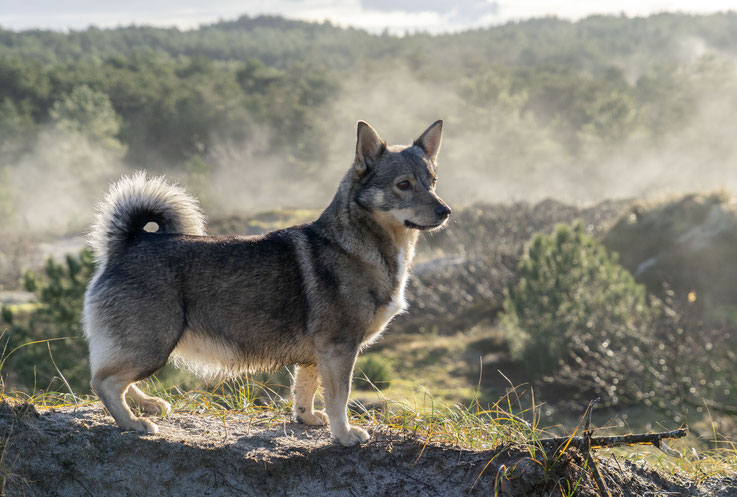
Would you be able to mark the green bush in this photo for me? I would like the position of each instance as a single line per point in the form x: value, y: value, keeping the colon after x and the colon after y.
x: 572, y: 297
x: 372, y: 371
x: 60, y: 293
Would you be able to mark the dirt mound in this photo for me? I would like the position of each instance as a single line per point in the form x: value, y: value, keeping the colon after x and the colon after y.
x: 77, y: 451
x: 688, y: 242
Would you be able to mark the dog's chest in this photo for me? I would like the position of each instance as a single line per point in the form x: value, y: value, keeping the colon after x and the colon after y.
x: 398, y: 303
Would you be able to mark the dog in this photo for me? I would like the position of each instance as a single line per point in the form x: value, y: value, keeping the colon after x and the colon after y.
x: 312, y: 295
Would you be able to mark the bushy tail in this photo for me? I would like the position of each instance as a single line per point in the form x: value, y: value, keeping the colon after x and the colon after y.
x: 133, y: 202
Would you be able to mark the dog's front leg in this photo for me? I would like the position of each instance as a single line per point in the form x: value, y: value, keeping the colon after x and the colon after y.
x: 335, y: 367
x: 306, y: 382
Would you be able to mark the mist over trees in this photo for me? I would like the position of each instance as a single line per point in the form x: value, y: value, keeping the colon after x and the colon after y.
x: 530, y: 107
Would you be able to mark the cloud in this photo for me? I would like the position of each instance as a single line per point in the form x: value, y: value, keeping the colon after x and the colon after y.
x: 467, y: 10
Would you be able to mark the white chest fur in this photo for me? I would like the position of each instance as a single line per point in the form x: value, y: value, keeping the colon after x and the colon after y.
x: 398, y: 303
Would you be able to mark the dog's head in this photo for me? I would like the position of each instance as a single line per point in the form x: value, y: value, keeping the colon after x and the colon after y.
x: 397, y: 183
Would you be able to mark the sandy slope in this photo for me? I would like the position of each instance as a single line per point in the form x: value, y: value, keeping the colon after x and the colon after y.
x: 71, y: 452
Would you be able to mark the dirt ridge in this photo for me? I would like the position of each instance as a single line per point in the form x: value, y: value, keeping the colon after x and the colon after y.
x: 78, y: 451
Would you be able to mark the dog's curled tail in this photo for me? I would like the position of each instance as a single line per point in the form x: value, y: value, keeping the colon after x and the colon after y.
x: 133, y: 202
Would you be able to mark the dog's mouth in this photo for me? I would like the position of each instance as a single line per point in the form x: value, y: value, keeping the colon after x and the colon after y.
x: 421, y: 227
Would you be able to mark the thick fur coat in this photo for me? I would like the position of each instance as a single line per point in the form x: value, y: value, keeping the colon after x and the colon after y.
x: 311, y: 295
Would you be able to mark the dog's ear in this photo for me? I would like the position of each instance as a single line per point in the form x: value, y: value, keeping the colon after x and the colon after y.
x: 369, y: 147
x: 429, y: 141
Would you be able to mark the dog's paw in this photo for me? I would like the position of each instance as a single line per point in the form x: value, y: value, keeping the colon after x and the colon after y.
x: 155, y: 406
x: 354, y: 436
x: 141, y: 425
x: 315, y: 418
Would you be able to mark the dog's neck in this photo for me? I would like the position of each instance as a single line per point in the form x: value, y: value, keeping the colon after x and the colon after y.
x: 402, y: 236
x: 370, y: 236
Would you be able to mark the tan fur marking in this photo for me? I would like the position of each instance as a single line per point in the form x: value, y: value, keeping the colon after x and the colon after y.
x: 404, y: 240
x: 336, y: 371
x: 306, y: 382
x: 111, y: 388
x: 206, y: 357
x: 146, y: 403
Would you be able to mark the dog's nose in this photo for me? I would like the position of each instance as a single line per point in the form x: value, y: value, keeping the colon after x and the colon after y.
x: 442, y: 211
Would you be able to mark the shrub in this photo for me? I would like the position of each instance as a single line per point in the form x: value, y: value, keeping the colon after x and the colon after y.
x: 371, y: 370
x: 578, y: 314
x: 60, y: 293
x: 572, y: 297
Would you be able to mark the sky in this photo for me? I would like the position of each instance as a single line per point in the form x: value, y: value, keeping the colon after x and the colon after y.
x: 396, y: 16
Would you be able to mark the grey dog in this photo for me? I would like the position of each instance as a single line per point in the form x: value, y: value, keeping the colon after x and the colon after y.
x: 311, y: 296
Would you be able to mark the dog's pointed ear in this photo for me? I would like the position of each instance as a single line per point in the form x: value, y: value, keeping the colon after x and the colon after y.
x: 369, y: 147
x: 429, y: 141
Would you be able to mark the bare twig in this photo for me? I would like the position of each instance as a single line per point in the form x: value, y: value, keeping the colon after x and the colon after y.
x: 589, y: 410
x: 616, y: 441
x: 593, y: 467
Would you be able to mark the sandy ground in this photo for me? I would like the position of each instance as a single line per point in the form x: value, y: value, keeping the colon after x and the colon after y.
x: 78, y: 451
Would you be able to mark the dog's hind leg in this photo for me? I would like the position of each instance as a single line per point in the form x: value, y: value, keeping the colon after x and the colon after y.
x: 115, y: 368
x: 148, y: 404
x: 305, y: 385
x: 131, y: 334
x: 111, y: 384
x: 335, y: 367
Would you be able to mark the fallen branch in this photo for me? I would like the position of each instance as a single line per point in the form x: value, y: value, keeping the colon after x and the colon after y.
x: 588, y: 442
x: 581, y: 443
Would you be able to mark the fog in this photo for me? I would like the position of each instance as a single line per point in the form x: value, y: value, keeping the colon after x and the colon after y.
x: 488, y: 154
x: 54, y: 188
x: 497, y: 154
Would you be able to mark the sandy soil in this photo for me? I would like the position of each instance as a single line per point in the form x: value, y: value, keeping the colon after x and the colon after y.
x: 78, y: 451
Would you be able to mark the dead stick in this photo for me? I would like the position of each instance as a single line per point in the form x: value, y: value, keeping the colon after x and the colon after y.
x: 617, y: 441
x: 593, y: 467
x: 589, y: 410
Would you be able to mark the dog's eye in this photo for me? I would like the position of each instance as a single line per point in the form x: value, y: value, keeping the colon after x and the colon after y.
x: 404, y: 185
